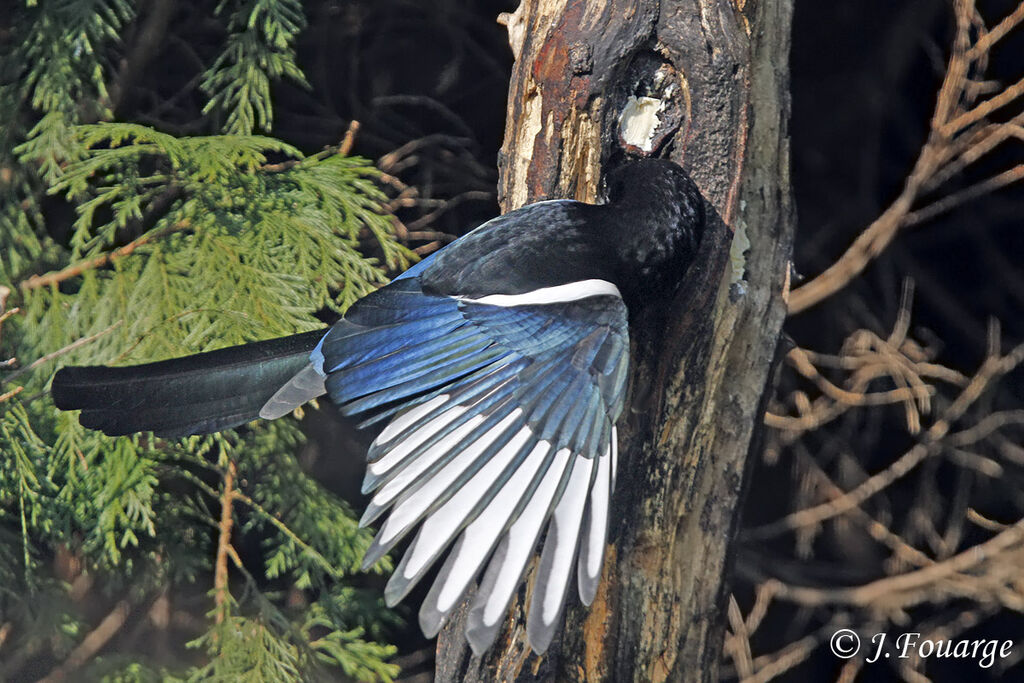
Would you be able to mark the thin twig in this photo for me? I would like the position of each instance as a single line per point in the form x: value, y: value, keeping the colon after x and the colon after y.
x: 55, y: 277
x: 220, y: 571
x: 951, y: 201
x: 92, y: 643
x: 11, y: 394
x: 350, y: 138
x: 343, y: 148
x: 78, y: 343
x: 771, y: 666
x: 997, y: 32
x: 885, y: 589
x: 948, y: 121
x: 984, y: 109
x: 738, y: 644
x: 324, y: 563
x: 992, y: 368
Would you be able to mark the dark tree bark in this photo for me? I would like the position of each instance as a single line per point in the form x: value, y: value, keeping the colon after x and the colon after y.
x: 719, y: 68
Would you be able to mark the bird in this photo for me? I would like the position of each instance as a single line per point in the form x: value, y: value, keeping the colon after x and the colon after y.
x: 499, y: 367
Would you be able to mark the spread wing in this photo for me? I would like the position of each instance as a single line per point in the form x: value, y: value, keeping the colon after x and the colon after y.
x: 502, y: 417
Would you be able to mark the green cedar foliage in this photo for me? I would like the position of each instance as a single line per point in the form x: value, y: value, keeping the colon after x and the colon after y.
x: 122, y: 244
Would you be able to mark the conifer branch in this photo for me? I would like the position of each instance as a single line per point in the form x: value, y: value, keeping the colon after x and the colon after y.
x: 56, y: 277
x: 208, y: 224
x: 61, y: 351
x: 324, y: 563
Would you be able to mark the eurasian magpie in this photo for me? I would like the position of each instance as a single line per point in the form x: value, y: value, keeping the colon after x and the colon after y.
x: 499, y: 365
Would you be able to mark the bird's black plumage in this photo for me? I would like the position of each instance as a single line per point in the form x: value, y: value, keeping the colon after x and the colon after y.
x: 499, y: 365
x: 199, y: 394
x: 640, y: 241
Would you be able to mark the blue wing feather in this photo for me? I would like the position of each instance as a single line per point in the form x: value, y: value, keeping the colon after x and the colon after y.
x: 462, y: 381
x: 418, y: 269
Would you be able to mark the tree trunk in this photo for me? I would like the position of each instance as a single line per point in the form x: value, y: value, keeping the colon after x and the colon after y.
x: 718, y: 69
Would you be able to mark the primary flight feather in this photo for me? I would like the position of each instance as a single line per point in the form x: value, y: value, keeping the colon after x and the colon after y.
x: 499, y: 366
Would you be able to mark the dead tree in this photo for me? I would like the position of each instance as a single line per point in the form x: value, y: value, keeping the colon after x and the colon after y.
x: 704, y: 82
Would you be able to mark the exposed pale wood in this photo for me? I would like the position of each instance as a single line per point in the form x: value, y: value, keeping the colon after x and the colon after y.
x: 701, y: 369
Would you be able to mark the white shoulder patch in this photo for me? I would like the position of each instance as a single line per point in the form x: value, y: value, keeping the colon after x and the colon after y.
x: 573, y: 291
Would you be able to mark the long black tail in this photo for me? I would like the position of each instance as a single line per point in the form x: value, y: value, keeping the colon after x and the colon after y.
x: 197, y: 394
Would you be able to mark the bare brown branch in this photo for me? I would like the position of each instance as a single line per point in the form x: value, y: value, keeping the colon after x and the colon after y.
x: 950, y: 122
x: 220, y: 566
x: 992, y: 369
x: 92, y: 643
